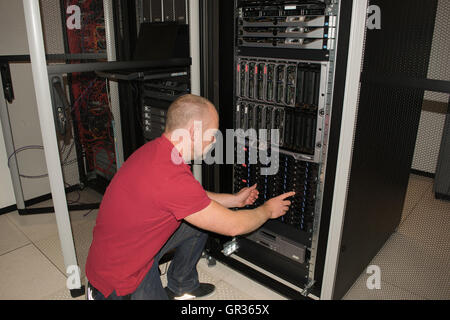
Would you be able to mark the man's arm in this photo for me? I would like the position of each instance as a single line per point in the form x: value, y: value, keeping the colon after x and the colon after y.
x: 224, y: 199
x: 244, y: 197
x: 218, y: 219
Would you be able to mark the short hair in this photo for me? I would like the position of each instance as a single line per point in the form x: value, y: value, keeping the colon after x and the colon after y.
x: 186, y: 108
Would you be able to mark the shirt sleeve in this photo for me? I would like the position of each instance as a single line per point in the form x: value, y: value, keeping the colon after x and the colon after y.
x: 184, y: 196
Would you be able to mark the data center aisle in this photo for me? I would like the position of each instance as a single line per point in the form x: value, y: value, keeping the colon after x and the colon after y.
x: 414, y: 263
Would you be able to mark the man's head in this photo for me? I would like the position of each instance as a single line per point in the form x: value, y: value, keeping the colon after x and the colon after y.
x: 192, y: 118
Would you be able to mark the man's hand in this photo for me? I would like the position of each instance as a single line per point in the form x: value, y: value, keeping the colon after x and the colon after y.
x: 245, y: 197
x: 278, y: 206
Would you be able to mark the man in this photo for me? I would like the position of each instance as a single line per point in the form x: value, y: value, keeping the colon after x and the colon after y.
x: 154, y: 205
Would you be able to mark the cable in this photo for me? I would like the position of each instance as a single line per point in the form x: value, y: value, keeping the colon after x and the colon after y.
x: 95, y: 139
x: 70, y: 202
x: 91, y: 140
x: 24, y: 149
x: 64, y: 163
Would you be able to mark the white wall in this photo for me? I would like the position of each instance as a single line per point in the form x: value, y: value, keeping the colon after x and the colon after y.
x: 23, y: 110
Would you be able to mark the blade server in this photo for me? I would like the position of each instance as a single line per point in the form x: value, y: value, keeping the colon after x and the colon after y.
x: 281, y: 90
x: 285, y: 24
x: 287, y: 95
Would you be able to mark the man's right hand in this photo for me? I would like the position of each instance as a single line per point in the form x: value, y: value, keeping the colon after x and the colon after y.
x: 216, y: 218
x: 278, y: 206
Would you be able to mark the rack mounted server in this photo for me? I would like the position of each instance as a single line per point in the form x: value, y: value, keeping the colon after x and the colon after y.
x: 286, y: 25
x: 290, y: 93
x: 156, y: 97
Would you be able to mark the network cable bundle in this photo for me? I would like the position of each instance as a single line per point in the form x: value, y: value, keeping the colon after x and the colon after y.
x: 283, y: 75
x: 91, y: 111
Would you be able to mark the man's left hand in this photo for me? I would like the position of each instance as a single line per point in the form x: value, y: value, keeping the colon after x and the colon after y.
x: 247, y: 196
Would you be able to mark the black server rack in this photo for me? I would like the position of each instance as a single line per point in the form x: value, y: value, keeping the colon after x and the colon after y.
x: 284, y: 67
x: 150, y: 30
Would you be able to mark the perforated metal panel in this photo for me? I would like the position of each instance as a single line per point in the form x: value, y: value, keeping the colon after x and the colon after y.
x: 428, y: 141
x: 440, y: 51
x: 52, y: 26
x: 435, y: 104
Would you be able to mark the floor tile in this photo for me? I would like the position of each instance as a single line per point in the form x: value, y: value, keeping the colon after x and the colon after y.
x: 80, y: 217
x: 429, y: 225
x: 25, y: 274
x: 35, y: 227
x: 202, y: 276
x: 86, y: 196
x: 82, y: 234
x: 218, y: 271
x: 11, y: 237
x: 225, y: 291
x: 41, y: 226
x: 359, y: 291
x: 406, y: 265
x: 418, y: 186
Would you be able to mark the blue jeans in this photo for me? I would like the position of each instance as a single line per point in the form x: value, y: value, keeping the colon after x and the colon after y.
x: 182, y: 275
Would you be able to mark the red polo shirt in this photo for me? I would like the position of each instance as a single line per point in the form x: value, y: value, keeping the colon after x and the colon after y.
x: 142, y: 207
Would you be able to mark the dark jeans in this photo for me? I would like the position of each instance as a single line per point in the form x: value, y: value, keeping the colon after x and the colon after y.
x: 182, y: 275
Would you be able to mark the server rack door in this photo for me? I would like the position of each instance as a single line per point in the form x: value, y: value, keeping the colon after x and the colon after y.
x: 387, y: 123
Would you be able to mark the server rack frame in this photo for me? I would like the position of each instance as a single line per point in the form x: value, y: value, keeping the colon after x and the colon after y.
x: 324, y: 109
x: 216, y: 243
